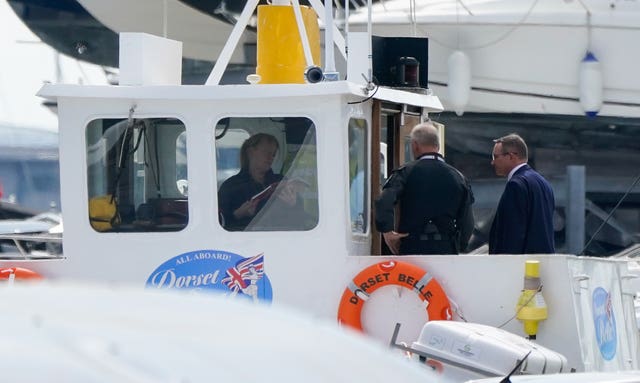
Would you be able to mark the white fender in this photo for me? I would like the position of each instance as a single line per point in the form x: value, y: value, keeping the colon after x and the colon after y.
x: 590, y: 84
x: 459, y: 86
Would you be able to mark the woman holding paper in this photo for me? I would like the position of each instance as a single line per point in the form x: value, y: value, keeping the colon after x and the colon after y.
x: 243, y: 195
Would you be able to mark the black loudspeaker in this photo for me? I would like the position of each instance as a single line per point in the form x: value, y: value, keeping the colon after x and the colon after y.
x: 401, y: 61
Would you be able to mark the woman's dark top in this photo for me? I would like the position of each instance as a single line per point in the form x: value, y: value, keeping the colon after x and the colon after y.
x: 238, y: 189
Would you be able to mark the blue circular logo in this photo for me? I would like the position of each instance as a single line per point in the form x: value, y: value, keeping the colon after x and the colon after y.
x: 605, y: 323
x: 214, y: 270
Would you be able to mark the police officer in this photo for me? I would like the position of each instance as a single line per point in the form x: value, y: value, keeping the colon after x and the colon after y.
x: 435, y: 201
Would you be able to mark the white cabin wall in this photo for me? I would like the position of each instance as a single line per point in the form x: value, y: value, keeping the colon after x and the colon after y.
x: 486, y: 288
x: 111, y: 249
x: 319, y: 249
x: 311, y: 259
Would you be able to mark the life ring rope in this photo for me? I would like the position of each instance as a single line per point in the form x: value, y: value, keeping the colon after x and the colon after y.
x: 398, y: 273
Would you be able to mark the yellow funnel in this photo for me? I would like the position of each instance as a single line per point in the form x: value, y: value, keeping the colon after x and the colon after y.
x: 280, y: 56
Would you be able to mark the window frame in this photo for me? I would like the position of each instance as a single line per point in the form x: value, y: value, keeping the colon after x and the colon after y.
x: 282, y: 160
x: 127, y: 215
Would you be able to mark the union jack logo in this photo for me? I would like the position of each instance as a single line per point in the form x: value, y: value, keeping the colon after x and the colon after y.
x: 609, y: 308
x: 238, y: 276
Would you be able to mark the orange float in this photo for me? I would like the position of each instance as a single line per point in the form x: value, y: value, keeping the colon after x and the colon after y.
x: 436, y: 365
x: 19, y: 273
x: 397, y: 273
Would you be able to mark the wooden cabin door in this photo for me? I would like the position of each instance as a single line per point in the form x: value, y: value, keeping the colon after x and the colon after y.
x: 391, y: 126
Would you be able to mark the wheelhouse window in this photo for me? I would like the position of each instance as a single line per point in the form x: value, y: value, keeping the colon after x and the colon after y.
x: 357, y: 175
x: 137, y: 175
x: 266, y: 170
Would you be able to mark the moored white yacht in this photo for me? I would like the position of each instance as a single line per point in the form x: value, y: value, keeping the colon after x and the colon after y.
x: 140, y: 173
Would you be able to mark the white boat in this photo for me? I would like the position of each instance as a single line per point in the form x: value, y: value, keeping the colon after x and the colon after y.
x: 140, y: 167
x: 103, y: 334
x: 580, y: 377
x: 524, y: 55
x: 37, y: 236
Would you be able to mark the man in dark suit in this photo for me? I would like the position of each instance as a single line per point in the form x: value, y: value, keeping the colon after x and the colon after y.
x: 523, y: 223
x: 435, y: 201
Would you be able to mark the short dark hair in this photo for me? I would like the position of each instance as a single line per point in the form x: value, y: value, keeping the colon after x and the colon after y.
x: 252, y: 142
x: 513, y: 143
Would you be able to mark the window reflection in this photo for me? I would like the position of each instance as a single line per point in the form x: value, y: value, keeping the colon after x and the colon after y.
x: 271, y: 184
x: 137, y: 175
x: 357, y: 175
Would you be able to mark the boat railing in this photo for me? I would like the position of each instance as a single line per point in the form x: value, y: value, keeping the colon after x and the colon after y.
x: 29, y: 246
x: 632, y: 251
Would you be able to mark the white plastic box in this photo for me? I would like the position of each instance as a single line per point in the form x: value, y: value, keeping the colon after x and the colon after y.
x: 484, y: 350
x: 149, y: 60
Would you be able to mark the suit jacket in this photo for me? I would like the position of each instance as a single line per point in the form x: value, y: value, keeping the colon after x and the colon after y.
x: 523, y: 223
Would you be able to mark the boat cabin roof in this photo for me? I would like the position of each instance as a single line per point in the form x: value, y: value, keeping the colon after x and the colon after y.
x: 353, y: 91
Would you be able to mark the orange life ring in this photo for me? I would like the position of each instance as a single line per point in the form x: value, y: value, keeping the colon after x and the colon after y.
x: 397, y: 273
x: 19, y: 273
x: 435, y: 365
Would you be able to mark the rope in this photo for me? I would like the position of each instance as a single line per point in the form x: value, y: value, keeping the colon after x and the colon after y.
x: 635, y: 182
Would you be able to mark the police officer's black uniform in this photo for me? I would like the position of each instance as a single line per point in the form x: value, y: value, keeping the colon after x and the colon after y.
x: 435, y: 206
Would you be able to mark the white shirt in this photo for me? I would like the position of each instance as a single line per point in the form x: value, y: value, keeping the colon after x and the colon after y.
x: 514, y: 170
